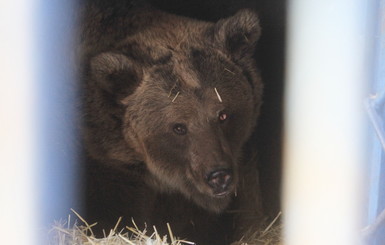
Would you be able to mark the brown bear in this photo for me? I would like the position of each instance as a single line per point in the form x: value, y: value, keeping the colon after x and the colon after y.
x: 169, y: 104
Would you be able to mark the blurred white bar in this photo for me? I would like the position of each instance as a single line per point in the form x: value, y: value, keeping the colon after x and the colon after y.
x: 59, y: 173
x: 328, y: 71
x: 18, y: 207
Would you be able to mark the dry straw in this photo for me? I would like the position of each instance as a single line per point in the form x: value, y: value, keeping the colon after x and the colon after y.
x: 65, y: 233
x: 271, y: 235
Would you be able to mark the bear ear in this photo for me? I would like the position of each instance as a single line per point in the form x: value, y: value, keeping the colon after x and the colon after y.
x: 238, y: 34
x: 115, y: 74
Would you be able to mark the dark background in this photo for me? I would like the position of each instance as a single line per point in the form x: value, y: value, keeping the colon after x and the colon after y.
x: 270, y: 60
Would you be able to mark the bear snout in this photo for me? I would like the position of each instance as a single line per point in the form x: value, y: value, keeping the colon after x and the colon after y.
x: 219, y: 181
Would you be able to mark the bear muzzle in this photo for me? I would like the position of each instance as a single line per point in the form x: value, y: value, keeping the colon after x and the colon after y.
x: 220, y: 182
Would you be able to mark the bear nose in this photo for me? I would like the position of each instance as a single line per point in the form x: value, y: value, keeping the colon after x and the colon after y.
x: 219, y: 181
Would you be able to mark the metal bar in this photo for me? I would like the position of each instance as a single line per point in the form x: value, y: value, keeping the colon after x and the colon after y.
x: 324, y: 130
x: 18, y: 175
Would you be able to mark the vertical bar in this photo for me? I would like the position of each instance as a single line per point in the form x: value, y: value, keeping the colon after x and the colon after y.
x: 18, y: 212
x: 328, y: 70
x: 375, y: 231
x: 58, y: 101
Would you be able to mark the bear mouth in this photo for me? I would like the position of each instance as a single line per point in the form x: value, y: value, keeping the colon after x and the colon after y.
x: 222, y: 194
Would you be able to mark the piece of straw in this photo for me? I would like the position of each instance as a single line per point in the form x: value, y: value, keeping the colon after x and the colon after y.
x: 219, y: 97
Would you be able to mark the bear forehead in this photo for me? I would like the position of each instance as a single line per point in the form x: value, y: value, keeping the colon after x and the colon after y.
x: 193, y: 68
x: 198, y: 78
x: 210, y: 93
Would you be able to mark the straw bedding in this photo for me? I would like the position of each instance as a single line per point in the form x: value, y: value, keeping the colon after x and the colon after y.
x: 79, y: 232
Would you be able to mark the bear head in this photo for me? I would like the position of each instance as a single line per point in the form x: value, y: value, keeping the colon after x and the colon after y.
x: 181, y: 97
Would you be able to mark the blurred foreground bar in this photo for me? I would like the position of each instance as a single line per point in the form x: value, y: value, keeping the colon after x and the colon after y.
x: 328, y: 62
x: 18, y: 158
x: 38, y: 151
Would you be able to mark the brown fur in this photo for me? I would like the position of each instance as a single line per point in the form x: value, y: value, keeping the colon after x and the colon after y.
x: 144, y: 72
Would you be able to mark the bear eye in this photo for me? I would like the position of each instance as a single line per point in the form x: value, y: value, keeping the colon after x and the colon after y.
x: 180, y: 129
x: 223, y: 117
